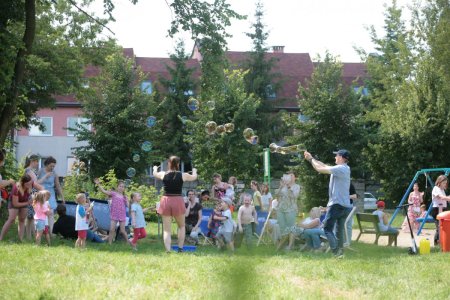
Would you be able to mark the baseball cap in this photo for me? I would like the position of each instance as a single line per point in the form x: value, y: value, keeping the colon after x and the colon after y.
x: 342, y: 152
x: 380, y: 204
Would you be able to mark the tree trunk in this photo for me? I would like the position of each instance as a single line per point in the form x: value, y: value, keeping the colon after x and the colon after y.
x: 10, y: 109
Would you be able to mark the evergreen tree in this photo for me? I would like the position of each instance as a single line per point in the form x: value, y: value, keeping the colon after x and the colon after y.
x: 333, y: 121
x: 118, y: 109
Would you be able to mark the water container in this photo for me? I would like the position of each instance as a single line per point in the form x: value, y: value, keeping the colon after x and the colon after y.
x: 424, y: 247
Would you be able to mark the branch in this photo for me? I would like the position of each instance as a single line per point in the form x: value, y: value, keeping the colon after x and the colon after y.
x: 88, y: 15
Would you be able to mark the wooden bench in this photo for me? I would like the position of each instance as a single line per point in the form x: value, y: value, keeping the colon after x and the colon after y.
x: 368, y: 224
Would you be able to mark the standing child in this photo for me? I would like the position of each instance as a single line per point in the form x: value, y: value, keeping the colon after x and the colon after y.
x: 213, y: 224
x: 81, y: 222
x: 118, y: 213
x: 225, y: 233
x: 41, y: 212
x: 256, y: 194
x: 246, y: 217
x: 137, y: 219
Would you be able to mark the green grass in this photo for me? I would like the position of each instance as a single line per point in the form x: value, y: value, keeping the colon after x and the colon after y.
x: 116, y: 272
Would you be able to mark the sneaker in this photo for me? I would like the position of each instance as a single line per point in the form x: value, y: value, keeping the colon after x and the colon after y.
x: 339, y: 254
x: 180, y: 250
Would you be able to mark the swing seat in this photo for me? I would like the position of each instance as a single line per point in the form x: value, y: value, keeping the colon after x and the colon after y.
x: 429, y: 219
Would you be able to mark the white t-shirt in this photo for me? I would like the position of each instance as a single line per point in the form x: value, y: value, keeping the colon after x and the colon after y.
x: 438, y: 202
x: 381, y: 225
x: 81, y: 218
x: 227, y: 225
x: 229, y: 192
x: 265, y: 200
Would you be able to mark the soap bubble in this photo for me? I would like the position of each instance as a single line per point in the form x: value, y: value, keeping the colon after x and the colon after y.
x: 210, y: 105
x: 254, y: 140
x: 248, y: 133
x: 210, y: 127
x: 136, y: 157
x: 131, y: 172
x: 146, y: 146
x: 220, y: 129
x: 193, y: 104
x: 127, y: 182
x: 229, y: 127
x: 151, y: 121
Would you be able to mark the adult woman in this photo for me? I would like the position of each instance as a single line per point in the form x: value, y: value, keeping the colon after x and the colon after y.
x: 266, y: 197
x: 256, y: 201
x: 415, y: 199
x: 218, y: 188
x: 439, y: 199
x: 287, y: 209
x: 50, y: 181
x: 172, y: 203
x: 193, y: 216
x: 17, y: 205
x: 4, y: 183
x: 31, y: 166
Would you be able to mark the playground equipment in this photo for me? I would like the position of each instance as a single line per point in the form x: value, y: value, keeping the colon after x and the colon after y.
x: 425, y: 172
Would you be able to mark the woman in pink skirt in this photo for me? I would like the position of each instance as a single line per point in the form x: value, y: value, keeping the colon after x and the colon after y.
x: 172, y: 203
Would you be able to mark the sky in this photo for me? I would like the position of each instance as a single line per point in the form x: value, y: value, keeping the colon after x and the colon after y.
x: 302, y: 26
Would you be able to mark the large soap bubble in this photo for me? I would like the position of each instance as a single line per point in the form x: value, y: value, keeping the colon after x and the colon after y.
x: 248, y: 133
x: 229, y: 127
x: 146, y: 146
x: 220, y: 129
x: 151, y: 121
x: 193, y: 104
x: 136, y: 157
x: 131, y: 172
x: 127, y: 182
x: 210, y: 104
x: 254, y: 140
x: 210, y: 127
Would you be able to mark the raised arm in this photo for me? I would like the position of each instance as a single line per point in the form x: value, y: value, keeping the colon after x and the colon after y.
x: 189, y: 177
x: 158, y: 175
x: 5, y: 183
x: 317, y: 165
x: 97, y: 182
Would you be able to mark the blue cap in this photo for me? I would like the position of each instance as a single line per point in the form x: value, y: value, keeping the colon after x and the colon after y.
x: 342, y: 152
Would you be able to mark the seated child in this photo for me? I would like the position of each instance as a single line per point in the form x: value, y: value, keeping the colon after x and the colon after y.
x: 225, y: 233
x: 383, y: 224
x: 246, y: 218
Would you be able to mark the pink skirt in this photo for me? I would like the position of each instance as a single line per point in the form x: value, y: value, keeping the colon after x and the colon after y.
x: 171, y: 206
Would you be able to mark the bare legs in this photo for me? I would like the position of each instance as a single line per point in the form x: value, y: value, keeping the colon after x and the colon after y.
x: 167, y: 231
x: 112, y: 231
x: 12, y: 215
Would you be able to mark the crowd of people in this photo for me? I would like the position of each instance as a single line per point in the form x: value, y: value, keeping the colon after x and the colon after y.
x: 33, y: 203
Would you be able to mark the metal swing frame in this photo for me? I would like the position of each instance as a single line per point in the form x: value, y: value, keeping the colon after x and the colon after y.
x: 406, y: 195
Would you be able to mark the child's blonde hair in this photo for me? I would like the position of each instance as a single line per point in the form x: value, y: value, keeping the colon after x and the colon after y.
x: 40, y: 197
x: 314, y: 213
x: 133, y: 195
x: 79, y: 197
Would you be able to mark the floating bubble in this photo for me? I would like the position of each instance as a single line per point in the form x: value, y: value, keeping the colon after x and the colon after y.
x: 127, y: 182
x: 136, y: 157
x: 210, y: 127
x: 254, y: 139
x: 151, y: 121
x: 248, y: 133
x: 193, y: 104
x: 229, y: 127
x: 273, y: 148
x: 210, y: 105
x: 131, y: 172
x: 220, y: 129
x: 184, y: 119
x: 146, y: 146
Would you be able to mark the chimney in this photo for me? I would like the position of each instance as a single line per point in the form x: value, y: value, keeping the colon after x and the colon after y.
x: 278, y: 49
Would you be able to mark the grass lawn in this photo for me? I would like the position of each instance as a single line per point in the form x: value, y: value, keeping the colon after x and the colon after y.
x: 116, y: 272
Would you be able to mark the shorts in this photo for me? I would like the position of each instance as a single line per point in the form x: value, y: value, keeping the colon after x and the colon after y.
x: 227, y: 236
x: 40, y: 225
x: 30, y: 213
x: 172, y: 206
x: 11, y: 206
x: 82, y: 234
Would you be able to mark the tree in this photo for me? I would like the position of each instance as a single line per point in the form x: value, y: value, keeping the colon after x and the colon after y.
x: 416, y: 105
x: 118, y: 109
x: 67, y: 32
x: 172, y: 111
x: 228, y: 153
x: 263, y: 82
x: 333, y: 114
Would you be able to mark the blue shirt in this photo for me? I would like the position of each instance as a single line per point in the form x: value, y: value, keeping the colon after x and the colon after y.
x: 139, y: 215
x: 338, y: 190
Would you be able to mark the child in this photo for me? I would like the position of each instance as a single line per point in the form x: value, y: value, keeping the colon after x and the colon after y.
x: 118, y: 207
x: 225, y: 233
x: 41, y: 212
x: 81, y: 222
x: 229, y: 192
x: 383, y: 221
x: 256, y: 195
x: 213, y: 224
x: 313, y: 229
x: 137, y: 219
x: 423, y: 211
x: 246, y: 217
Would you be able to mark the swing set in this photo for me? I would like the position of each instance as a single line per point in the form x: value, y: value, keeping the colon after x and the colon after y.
x: 428, y: 180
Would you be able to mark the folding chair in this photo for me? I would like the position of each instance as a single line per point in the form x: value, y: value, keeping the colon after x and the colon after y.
x: 206, y: 213
x: 263, y: 220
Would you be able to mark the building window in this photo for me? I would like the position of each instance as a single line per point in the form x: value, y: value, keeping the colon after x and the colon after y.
x: 361, y: 90
x: 302, y: 118
x: 73, y: 122
x: 45, y: 129
x: 146, y: 87
x: 270, y: 92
